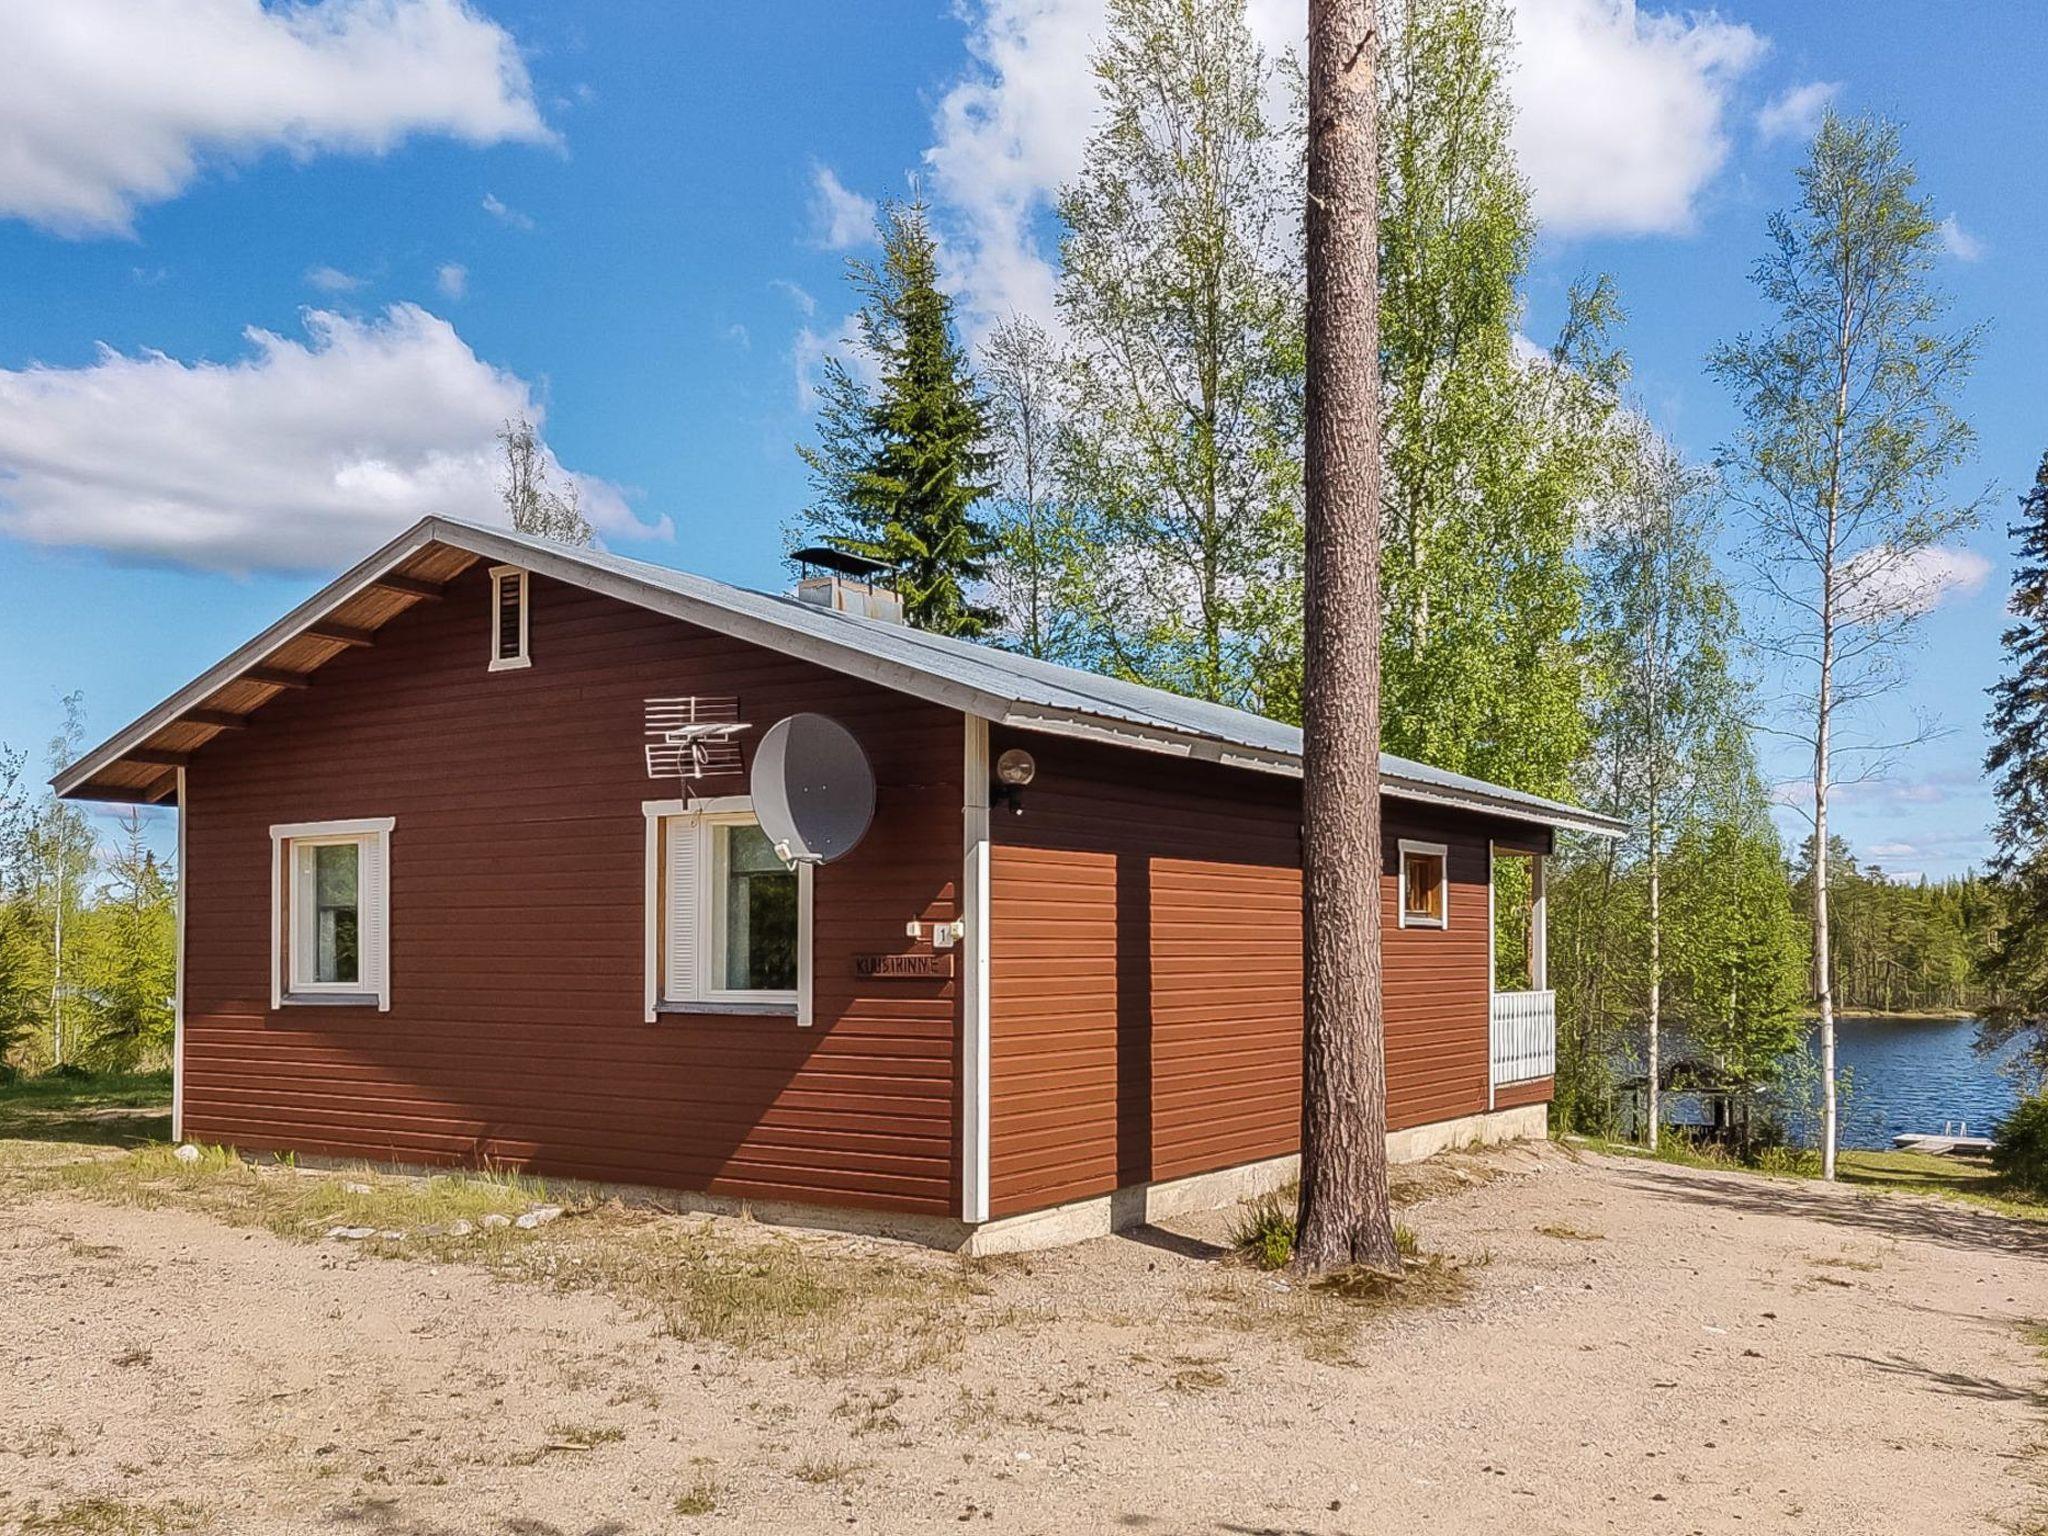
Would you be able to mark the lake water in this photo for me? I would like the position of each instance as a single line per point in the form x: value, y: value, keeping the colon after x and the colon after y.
x: 1914, y: 1075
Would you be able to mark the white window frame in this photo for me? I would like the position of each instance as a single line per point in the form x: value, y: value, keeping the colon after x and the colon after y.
x: 698, y: 819
x: 1443, y: 855
x: 500, y: 574
x: 372, y: 835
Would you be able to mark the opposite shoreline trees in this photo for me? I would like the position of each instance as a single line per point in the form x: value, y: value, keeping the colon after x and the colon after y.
x: 1842, y: 459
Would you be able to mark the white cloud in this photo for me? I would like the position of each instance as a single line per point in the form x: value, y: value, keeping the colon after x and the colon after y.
x: 1620, y: 113
x: 1959, y: 242
x: 300, y: 455
x: 840, y: 219
x: 109, y: 105
x: 1006, y: 135
x: 1621, y: 125
x: 1795, y: 112
x: 333, y: 280
x: 1882, y: 582
x: 796, y: 293
x: 452, y: 278
x: 497, y: 208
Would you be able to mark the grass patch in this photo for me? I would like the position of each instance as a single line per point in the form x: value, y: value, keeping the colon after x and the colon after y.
x: 701, y: 1498
x: 583, y: 1437
x: 825, y: 1469
x: 1969, y: 1179
x: 835, y: 1308
x: 118, y: 1109
x: 103, y: 1516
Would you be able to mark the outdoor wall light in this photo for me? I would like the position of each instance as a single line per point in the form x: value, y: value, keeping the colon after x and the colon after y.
x: 1014, y: 769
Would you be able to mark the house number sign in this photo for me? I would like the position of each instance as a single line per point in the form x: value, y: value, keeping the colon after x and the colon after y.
x: 885, y: 967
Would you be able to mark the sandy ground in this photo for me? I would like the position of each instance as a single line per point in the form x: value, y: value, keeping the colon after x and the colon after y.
x: 1683, y: 1351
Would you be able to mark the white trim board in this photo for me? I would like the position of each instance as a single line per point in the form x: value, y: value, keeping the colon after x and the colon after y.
x: 178, y: 988
x: 974, y: 973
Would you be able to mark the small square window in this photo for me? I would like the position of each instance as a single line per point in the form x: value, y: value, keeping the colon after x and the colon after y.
x: 331, y: 913
x: 1425, y: 887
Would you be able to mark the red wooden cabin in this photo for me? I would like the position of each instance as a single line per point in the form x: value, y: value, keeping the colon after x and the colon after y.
x: 433, y: 909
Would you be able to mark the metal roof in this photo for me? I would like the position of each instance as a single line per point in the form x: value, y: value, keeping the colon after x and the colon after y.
x: 998, y: 685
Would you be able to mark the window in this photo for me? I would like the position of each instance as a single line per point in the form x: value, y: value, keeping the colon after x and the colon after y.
x: 330, y: 913
x: 729, y: 924
x: 508, y: 618
x: 1425, y: 890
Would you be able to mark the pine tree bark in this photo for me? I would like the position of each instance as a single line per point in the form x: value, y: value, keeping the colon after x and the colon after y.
x: 1346, y: 1217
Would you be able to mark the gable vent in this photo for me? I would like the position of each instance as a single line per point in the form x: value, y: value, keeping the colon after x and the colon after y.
x: 508, y: 618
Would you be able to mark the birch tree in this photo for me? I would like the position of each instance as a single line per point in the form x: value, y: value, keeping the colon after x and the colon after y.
x: 1180, y: 291
x: 1843, y: 460
x: 18, y: 1006
x: 1040, y: 560
x: 531, y: 500
x: 1669, y: 709
x: 61, y: 862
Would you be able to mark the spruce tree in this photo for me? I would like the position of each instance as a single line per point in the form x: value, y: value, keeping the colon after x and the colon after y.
x: 2017, y: 966
x: 900, y: 466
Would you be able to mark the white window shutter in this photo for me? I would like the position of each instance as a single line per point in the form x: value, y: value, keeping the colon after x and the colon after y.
x: 682, y: 880
x: 304, y: 899
x: 373, y: 905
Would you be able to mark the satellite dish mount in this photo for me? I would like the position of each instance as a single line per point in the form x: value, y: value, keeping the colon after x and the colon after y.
x: 814, y: 792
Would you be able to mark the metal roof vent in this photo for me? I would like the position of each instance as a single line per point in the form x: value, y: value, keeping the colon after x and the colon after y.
x: 847, y: 583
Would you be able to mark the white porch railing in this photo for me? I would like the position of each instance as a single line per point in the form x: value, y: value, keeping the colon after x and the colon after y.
x: 1524, y: 1036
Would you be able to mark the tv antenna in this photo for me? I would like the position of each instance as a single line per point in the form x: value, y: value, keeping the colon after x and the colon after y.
x: 693, y: 737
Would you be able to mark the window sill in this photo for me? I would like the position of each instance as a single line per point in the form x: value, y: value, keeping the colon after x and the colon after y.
x: 764, y: 1010
x: 330, y: 1000
x: 1424, y: 922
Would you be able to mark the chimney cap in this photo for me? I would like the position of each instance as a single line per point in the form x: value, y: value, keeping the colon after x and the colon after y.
x: 843, y: 561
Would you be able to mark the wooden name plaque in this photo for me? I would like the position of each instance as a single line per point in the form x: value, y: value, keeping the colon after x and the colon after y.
x: 902, y: 967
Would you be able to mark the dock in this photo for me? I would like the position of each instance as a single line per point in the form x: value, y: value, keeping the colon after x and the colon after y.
x: 1941, y: 1144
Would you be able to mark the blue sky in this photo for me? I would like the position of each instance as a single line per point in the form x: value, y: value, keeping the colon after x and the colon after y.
x: 272, y: 277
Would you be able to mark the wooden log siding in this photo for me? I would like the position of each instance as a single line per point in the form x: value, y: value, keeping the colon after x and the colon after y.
x: 515, y: 1033
x: 1146, y: 973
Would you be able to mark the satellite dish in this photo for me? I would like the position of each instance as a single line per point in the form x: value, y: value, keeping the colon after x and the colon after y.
x: 813, y: 790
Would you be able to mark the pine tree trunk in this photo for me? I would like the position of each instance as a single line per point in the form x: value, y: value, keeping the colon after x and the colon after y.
x: 1346, y: 1217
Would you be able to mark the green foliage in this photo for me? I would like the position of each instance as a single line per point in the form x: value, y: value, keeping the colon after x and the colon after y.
x: 531, y: 501
x: 1490, y: 457
x: 1040, y: 574
x: 1180, y: 289
x: 899, y: 468
x: 126, y: 958
x: 2016, y: 968
x: 1898, y: 947
x: 2020, y: 1150
x: 1735, y: 956
x: 1264, y: 1230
